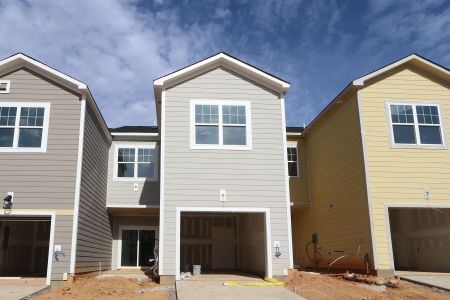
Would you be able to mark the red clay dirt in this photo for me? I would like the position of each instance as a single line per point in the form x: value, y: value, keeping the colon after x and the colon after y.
x: 112, y: 289
x: 319, y: 286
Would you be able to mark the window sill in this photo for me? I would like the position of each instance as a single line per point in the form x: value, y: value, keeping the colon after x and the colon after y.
x: 426, y: 147
x: 21, y: 150
x: 221, y: 147
x: 132, y: 179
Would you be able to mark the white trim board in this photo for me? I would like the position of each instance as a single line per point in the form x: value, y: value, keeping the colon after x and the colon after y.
x: 119, y: 242
x: 287, y: 188
x: 161, y: 183
x: 361, y: 81
x: 265, y: 211
x: 367, y: 179
x: 221, y: 58
x: 52, y: 216
x: 134, y: 134
x: 388, y: 223
x: 76, y: 204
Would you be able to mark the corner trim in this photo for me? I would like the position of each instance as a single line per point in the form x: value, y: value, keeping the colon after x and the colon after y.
x: 161, y: 183
x: 76, y: 206
x: 366, y: 173
x: 286, y: 183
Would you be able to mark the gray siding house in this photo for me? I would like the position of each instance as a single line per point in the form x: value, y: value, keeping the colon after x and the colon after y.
x: 209, y: 186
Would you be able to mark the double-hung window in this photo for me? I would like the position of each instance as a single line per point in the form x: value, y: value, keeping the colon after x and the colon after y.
x: 292, y: 158
x: 415, y: 124
x: 23, y: 127
x: 135, y: 163
x: 220, y: 125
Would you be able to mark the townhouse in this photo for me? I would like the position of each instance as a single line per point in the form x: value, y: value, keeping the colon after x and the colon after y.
x: 218, y: 181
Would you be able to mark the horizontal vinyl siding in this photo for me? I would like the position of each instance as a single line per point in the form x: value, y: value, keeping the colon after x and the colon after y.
x: 63, y: 237
x: 253, y: 178
x: 336, y: 174
x: 43, y: 180
x: 121, y: 193
x: 94, y: 241
x: 400, y: 175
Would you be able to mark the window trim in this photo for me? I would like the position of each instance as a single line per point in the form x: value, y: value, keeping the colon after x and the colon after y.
x: 416, y: 125
x: 8, y: 86
x: 221, y: 103
x: 293, y: 145
x: 45, y: 125
x: 136, y: 147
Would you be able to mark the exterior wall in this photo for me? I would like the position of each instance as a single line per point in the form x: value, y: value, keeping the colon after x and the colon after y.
x: 254, y: 178
x: 94, y: 240
x: 128, y: 221
x: 45, y: 181
x: 121, y: 193
x: 400, y: 175
x: 299, y: 185
x: 339, y: 211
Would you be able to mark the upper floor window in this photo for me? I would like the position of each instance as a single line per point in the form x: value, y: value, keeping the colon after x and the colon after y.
x: 416, y: 124
x: 135, y: 163
x: 220, y: 125
x: 24, y: 127
x: 292, y: 158
x: 4, y: 86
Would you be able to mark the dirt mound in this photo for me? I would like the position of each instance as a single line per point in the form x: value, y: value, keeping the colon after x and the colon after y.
x: 111, y: 289
x: 321, y: 286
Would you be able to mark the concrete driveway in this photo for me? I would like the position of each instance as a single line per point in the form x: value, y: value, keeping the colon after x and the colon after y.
x: 439, y: 280
x: 18, y: 288
x: 211, y: 287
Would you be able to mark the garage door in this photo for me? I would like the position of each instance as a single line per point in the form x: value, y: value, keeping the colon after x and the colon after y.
x: 420, y: 239
x: 24, y: 246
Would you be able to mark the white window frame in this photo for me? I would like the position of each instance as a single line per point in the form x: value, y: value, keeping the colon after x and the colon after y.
x: 152, y: 146
x: 8, y: 86
x: 220, y: 104
x: 296, y: 146
x: 119, y: 250
x: 416, y: 125
x: 15, y: 147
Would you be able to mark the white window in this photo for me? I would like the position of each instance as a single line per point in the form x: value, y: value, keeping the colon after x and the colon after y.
x: 415, y: 124
x: 292, y: 158
x: 135, y: 163
x: 24, y: 127
x: 220, y: 125
x: 5, y: 86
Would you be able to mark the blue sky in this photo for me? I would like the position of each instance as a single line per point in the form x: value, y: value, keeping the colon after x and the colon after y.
x: 119, y: 47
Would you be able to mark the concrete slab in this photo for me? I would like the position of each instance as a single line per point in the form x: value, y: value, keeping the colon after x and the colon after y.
x: 211, y: 287
x: 438, y: 280
x: 18, y: 288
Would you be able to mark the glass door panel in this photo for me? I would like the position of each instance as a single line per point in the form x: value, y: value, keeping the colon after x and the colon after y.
x: 129, y: 248
x: 146, y: 246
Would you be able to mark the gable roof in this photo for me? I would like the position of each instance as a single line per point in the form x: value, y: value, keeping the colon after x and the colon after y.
x: 414, y: 59
x: 359, y: 83
x: 20, y: 60
x: 225, y: 59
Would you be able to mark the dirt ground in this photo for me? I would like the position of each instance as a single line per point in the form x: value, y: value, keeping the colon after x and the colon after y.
x: 111, y: 289
x: 333, y: 286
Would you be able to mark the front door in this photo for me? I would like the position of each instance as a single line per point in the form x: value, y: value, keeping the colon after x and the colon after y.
x: 138, y: 247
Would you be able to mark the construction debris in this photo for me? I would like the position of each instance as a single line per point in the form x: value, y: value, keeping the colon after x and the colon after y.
x: 268, y: 282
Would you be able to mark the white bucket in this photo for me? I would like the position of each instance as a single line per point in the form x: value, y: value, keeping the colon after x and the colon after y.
x: 196, y: 270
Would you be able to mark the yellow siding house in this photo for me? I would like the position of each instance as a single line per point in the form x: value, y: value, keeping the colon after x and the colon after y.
x: 374, y: 186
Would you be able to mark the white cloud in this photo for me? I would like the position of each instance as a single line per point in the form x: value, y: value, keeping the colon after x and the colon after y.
x: 113, y: 46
